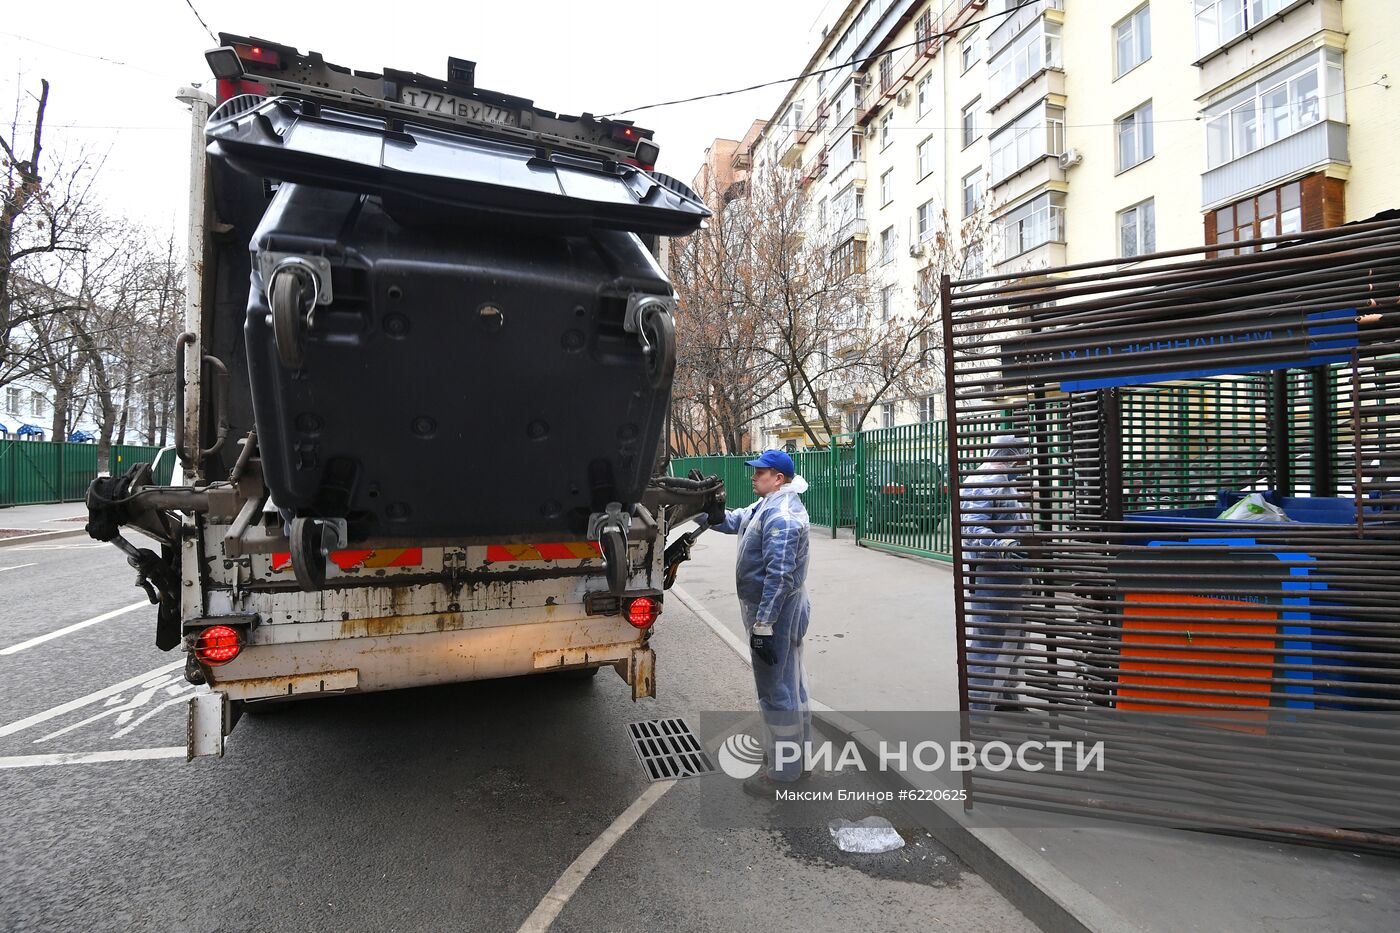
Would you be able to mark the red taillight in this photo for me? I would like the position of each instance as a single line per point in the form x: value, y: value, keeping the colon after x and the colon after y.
x: 217, y: 645
x: 256, y: 53
x: 893, y: 489
x: 643, y: 611
x: 226, y: 88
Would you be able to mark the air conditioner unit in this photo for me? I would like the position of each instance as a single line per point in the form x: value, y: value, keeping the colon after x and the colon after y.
x: 902, y: 98
x: 916, y: 249
x: 1070, y: 158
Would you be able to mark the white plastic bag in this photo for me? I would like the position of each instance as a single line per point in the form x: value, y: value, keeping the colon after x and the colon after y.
x: 872, y: 835
x: 1254, y: 508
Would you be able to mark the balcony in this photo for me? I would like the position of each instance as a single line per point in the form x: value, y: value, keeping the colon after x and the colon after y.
x: 853, y: 172
x: 1221, y: 24
x: 1320, y: 144
x: 1013, y: 25
x: 856, y: 228
x: 789, y: 148
x: 814, y: 169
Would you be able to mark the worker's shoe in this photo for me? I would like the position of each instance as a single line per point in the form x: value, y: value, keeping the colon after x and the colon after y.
x: 765, y: 788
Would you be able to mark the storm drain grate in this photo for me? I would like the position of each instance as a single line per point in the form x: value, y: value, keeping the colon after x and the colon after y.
x: 668, y: 749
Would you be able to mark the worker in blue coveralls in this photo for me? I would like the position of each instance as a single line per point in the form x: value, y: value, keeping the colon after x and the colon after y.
x: 771, y: 575
x: 994, y: 522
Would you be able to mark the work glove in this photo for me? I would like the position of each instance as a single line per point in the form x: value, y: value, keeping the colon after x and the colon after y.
x: 702, y: 520
x: 762, y: 646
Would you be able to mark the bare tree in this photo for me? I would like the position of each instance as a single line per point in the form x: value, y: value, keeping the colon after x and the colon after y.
x: 811, y: 294
x: 42, y: 215
x: 724, y: 376
x: 903, y: 355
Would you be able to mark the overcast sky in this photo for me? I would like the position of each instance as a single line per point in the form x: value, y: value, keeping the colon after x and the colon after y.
x: 567, y: 55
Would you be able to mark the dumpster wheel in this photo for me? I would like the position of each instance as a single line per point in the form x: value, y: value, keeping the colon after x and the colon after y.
x: 613, y: 544
x: 308, y: 554
x: 287, y: 298
x: 658, y: 333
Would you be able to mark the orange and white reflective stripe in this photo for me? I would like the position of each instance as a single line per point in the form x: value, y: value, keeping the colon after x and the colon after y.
x: 365, y: 559
x: 516, y: 553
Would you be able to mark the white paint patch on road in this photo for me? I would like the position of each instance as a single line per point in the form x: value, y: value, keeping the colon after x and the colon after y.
x: 18, y: 567
x: 564, y: 889
x: 88, y: 758
x: 80, y: 702
x: 39, y: 640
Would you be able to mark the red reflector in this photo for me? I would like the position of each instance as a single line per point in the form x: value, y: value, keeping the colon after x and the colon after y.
x: 227, y: 88
x: 892, y: 490
x: 217, y: 644
x: 642, y: 611
x: 256, y: 53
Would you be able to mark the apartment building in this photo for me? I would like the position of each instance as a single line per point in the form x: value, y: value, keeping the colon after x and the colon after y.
x: 1075, y: 130
x: 726, y: 167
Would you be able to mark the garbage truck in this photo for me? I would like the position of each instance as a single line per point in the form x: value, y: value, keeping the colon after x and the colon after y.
x: 422, y: 392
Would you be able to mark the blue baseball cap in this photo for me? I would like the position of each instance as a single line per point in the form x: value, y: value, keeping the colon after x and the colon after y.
x: 775, y: 460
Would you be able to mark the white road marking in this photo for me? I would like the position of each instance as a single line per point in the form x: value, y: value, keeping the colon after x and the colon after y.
x: 172, y: 684
x: 86, y: 758
x: 80, y: 702
x: 56, y: 547
x: 568, y: 883
x: 15, y: 649
x: 18, y: 567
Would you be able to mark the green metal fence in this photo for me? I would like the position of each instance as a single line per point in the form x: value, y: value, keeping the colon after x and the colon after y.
x: 34, y: 472
x: 890, y: 485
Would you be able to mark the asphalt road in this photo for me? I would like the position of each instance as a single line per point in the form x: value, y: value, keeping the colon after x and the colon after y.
x: 451, y: 808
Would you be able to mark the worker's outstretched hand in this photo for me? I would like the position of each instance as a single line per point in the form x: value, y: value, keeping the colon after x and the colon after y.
x: 762, y: 646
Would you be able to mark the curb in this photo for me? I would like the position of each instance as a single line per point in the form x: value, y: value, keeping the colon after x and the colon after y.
x: 40, y: 536
x: 1049, y: 898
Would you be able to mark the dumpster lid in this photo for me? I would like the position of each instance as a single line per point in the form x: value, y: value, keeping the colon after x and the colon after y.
x: 444, y: 172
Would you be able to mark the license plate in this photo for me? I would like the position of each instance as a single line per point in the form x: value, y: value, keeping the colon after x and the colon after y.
x: 437, y: 102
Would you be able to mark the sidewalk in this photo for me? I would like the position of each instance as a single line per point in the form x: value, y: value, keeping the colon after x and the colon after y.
x: 24, y: 522
x: 882, y: 638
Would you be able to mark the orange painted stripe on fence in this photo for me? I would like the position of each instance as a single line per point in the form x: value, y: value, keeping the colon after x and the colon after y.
x: 516, y: 553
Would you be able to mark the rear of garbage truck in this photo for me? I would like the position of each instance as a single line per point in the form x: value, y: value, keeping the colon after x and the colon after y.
x: 423, y: 385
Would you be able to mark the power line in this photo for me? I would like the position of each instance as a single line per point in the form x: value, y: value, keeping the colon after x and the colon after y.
x: 925, y: 40
x: 100, y: 58
x: 189, y: 4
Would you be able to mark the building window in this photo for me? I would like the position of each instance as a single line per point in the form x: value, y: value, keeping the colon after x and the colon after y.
x: 1134, y: 132
x: 974, y: 263
x: 888, y: 242
x: 924, y: 156
x: 12, y: 396
x: 1276, y: 212
x: 849, y: 258
x: 852, y: 421
x: 925, y: 94
x: 821, y: 214
x: 1219, y: 21
x: 886, y: 129
x: 886, y: 303
x: 972, y: 192
x: 1039, y: 221
x: 926, y: 408
x: 886, y: 187
x: 923, y: 32
x: 969, y: 50
x: 1035, y: 134
x: 887, y: 414
x: 970, y: 131
x: 886, y: 73
x: 928, y: 221
x: 1031, y: 52
x: 1137, y: 230
x: 1132, y: 39
x: 1286, y: 102
x: 38, y: 405
x: 928, y: 297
